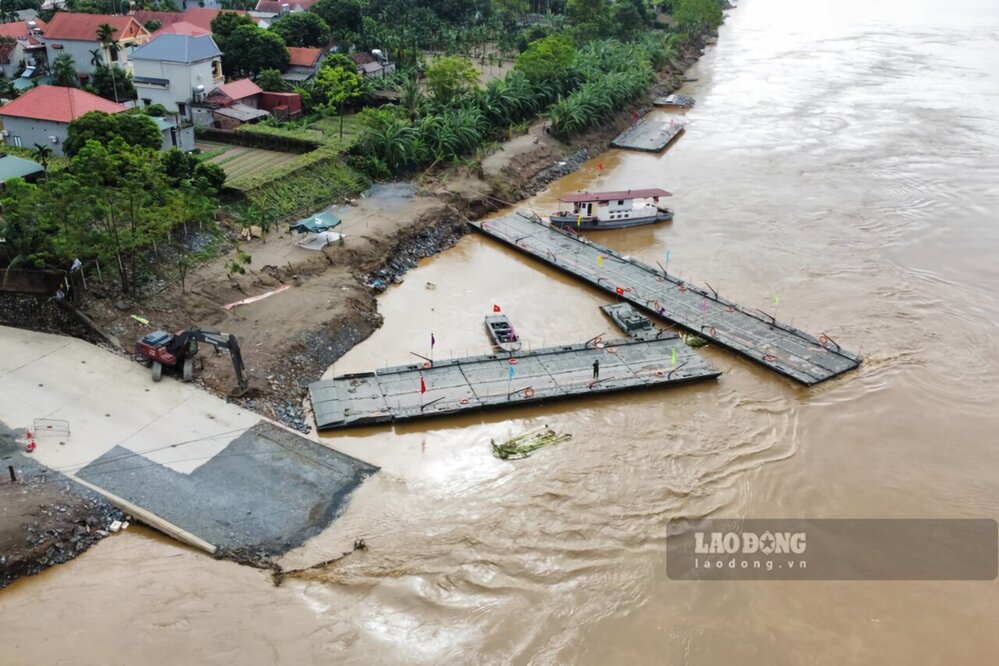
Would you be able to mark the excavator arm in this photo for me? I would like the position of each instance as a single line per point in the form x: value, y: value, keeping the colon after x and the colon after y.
x: 181, y: 347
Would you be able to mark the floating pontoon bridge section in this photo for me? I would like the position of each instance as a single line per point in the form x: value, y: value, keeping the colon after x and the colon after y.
x: 754, y: 334
x: 497, y: 380
x: 648, y: 135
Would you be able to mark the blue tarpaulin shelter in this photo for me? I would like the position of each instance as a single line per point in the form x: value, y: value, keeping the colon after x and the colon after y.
x: 318, y: 223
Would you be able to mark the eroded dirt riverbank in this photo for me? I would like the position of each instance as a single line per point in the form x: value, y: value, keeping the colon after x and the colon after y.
x: 45, y: 519
x: 291, y: 338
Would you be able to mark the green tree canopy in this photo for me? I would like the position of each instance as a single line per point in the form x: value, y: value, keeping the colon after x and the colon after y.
x: 509, y: 10
x: 270, y: 80
x: 344, y: 17
x: 450, y: 77
x: 333, y: 88
x: 135, y: 129
x: 117, y: 203
x: 302, y: 29
x: 631, y: 17
x: 208, y: 177
x: 113, y: 83
x: 548, y: 58
x: 249, y: 49
x: 64, y: 72
x: 225, y: 24
x: 340, y: 60
x: 591, y: 17
x: 27, y: 240
x: 697, y: 16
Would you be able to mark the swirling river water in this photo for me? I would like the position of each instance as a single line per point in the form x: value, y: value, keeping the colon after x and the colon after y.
x: 844, y: 155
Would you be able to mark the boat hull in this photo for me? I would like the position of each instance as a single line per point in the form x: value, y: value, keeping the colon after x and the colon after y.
x: 502, y: 334
x: 592, y: 224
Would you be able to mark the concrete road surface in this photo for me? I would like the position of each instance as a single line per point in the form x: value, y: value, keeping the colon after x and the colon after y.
x: 105, y: 412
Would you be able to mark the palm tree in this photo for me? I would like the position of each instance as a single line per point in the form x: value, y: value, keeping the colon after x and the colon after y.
x: 105, y: 35
x: 42, y: 154
x: 64, y: 71
x: 96, y: 59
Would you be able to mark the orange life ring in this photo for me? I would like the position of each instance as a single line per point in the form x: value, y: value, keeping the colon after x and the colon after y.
x: 730, y: 309
x: 660, y: 373
x: 513, y: 361
x: 463, y: 401
x: 660, y: 278
x: 713, y: 331
x: 823, y: 340
x: 529, y: 392
x: 426, y: 364
x: 683, y: 287
x: 612, y: 350
x: 770, y: 358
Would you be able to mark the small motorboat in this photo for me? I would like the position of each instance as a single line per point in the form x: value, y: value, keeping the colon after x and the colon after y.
x: 502, y: 333
x: 674, y: 102
x: 631, y: 321
x: 593, y: 211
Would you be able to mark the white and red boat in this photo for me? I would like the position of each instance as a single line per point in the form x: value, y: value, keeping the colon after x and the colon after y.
x: 593, y: 211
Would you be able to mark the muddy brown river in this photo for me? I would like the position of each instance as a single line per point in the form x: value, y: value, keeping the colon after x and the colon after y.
x: 844, y: 155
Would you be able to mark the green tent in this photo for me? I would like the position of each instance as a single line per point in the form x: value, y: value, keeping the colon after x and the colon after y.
x: 318, y: 223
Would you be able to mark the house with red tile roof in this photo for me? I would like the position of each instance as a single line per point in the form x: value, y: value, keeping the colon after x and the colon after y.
x: 42, y: 115
x: 73, y: 34
x: 200, y: 17
x: 242, y: 91
x: 236, y: 103
x: 276, y: 7
x: 21, y: 40
x: 372, y: 64
x: 303, y: 64
x: 182, y: 28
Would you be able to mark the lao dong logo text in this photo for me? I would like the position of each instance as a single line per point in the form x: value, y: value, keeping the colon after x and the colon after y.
x: 749, y: 543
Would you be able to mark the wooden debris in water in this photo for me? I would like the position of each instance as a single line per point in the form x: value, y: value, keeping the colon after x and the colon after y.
x: 524, y: 445
x: 693, y: 341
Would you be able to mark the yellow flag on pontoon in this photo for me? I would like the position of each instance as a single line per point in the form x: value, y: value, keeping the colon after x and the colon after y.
x: 600, y: 260
x: 579, y: 219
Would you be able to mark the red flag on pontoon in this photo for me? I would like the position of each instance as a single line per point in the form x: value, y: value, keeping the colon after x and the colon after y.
x: 496, y: 308
x: 423, y: 386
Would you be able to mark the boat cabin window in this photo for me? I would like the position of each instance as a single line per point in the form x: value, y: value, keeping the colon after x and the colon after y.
x: 620, y: 202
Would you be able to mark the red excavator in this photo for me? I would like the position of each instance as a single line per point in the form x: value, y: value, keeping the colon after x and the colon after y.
x: 177, y: 351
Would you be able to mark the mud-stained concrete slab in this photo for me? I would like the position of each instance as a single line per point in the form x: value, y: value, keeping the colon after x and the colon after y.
x: 266, y: 492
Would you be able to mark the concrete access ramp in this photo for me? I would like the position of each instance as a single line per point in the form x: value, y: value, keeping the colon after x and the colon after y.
x: 184, y: 461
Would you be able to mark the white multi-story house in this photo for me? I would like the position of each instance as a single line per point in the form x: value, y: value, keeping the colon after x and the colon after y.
x: 177, y: 70
x: 76, y: 35
x: 21, y: 42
